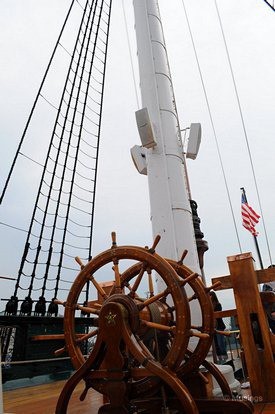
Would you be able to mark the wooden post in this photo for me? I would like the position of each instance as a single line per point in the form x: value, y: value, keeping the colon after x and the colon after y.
x: 255, y: 333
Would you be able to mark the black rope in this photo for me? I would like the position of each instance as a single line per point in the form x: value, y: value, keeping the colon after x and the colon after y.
x: 13, y: 227
x: 270, y: 5
x: 63, y: 204
x: 31, y: 159
x: 34, y: 269
x: 34, y: 104
x: 99, y: 128
x: 78, y: 92
x: 37, y: 198
x: 47, y: 270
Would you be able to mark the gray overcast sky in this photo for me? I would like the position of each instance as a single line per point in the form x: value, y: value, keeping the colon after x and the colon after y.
x: 29, y: 30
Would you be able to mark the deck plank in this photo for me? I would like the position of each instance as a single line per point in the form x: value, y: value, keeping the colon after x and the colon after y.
x: 42, y: 399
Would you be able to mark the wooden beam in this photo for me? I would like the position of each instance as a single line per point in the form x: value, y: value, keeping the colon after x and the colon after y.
x: 225, y: 313
x: 262, y: 276
x: 224, y: 280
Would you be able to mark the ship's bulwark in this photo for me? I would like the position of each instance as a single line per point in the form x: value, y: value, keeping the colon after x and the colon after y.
x: 28, y: 349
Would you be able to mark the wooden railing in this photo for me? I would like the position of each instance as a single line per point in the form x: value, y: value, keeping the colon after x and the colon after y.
x: 257, y: 339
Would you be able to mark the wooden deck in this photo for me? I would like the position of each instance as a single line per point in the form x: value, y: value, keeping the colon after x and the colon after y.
x: 41, y: 399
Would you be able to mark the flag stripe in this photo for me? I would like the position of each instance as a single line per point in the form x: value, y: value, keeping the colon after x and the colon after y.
x: 249, y: 212
x: 249, y: 217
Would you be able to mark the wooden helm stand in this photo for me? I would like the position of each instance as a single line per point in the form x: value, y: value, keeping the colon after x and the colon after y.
x: 140, y: 360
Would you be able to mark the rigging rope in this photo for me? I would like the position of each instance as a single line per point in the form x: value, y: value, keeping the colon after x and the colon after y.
x: 56, y: 220
x: 34, y: 104
x: 13, y: 227
x: 270, y: 5
x: 244, y: 130
x: 131, y: 56
x: 212, y: 125
x: 84, y: 46
x: 40, y: 186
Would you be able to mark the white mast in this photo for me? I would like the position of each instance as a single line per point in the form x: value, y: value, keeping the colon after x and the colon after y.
x: 170, y: 208
x: 171, y: 214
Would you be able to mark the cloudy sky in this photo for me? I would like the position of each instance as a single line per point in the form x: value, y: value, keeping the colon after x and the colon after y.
x: 29, y: 30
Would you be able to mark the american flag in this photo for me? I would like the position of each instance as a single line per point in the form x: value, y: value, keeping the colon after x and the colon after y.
x: 249, y: 216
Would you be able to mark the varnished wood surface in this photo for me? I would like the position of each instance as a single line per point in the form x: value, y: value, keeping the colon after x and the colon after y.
x: 254, y: 328
x: 42, y: 399
x: 262, y: 275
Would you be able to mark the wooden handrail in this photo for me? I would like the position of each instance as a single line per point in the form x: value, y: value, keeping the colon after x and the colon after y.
x: 56, y: 337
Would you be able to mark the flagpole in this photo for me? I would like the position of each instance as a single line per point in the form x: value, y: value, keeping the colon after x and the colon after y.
x: 255, y: 237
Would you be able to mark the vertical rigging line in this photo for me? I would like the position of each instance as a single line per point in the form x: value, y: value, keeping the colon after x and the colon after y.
x: 88, y: 35
x: 83, y: 47
x: 99, y: 132
x: 72, y: 87
x: 213, y: 126
x: 27, y: 244
x: 244, y: 129
x: 34, y: 104
x: 130, y: 53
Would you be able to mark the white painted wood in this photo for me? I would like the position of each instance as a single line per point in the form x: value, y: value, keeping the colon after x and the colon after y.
x: 171, y: 214
x: 170, y: 208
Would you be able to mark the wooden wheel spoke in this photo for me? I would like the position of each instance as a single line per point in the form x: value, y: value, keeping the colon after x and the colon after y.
x: 183, y: 256
x: 189, y: 278
x: 193, y: 297
x: 88, y: 309
x: 97, y: 286
x: 60, y: 351
x: 117, y: 276
x: 150, y: 283
x: 154, y: 299
x: 60, y: 302
x: 215, y: 286
x: 117, y: 285
x: 137, y: 281
x: 159, y: 326
x: 155, y: 243
x: 129, y: 287
x: 97, y: 305
x: 78, y: 339
x: 198, y: 334
x: 87, y: 336
x: 79, y: 261
x: 224, y: 333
